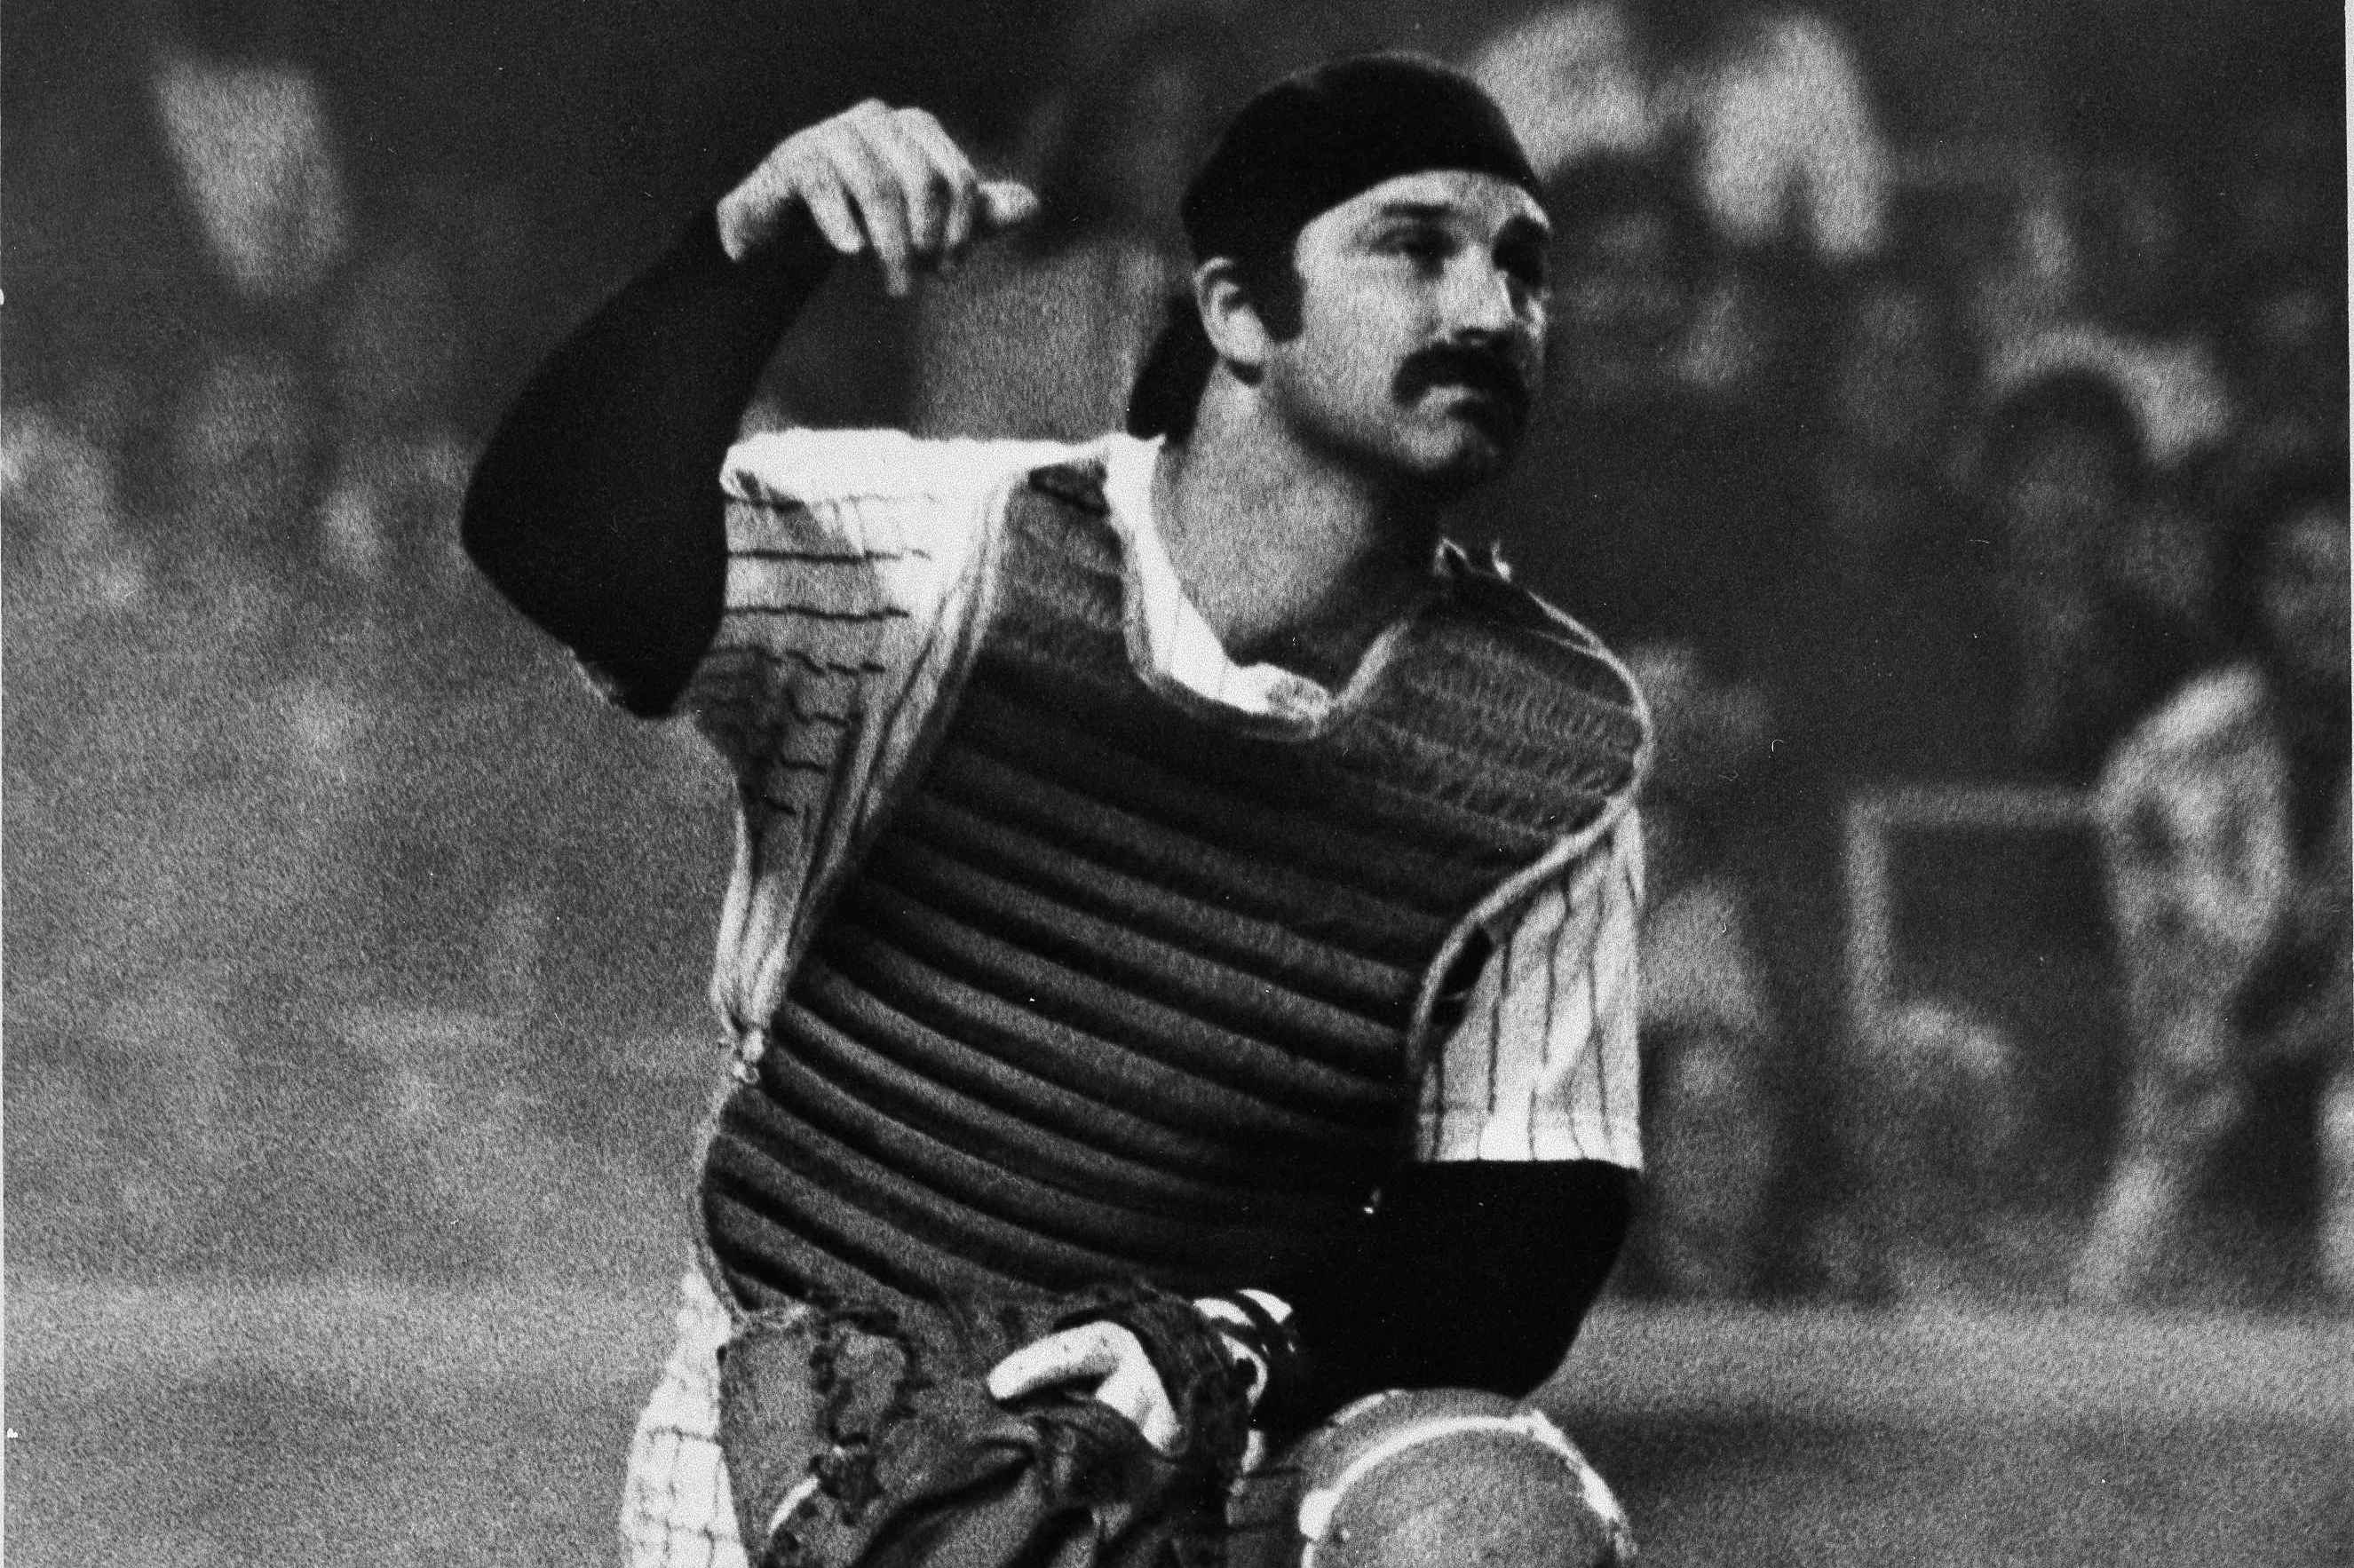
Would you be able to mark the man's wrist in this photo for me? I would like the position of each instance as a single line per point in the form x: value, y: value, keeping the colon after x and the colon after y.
x: 1256, y: 1327
x: 778, y: 254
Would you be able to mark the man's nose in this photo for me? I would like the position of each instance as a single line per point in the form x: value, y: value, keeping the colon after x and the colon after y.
x: 1484, y: 299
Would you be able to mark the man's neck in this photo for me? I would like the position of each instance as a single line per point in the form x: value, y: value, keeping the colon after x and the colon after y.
x: 1291, y: 558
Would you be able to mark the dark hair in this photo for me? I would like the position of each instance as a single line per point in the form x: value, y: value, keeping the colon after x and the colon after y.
x: 1176, y: 369
x: 2268, y: 503
x: 2068, y: 399
x: 1167, y: 388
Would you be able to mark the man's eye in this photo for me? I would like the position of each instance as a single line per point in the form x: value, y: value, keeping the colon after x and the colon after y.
x: 1420, y: 245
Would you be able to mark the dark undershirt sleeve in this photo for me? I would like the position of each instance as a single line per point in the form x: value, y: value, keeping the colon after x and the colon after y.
x: 595, y: 507
x: 1472, y: 1275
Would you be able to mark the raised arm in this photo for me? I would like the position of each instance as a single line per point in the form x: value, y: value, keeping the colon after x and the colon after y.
x: 595, y: 507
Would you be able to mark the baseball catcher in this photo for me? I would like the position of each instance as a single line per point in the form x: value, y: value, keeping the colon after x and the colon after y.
x: 1178, y: 965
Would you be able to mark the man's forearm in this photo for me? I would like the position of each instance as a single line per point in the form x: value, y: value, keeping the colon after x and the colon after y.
x: 1471, y: 1276
x: 595, y: 507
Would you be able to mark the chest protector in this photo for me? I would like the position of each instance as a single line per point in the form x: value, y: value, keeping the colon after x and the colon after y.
x: 1125, y: 987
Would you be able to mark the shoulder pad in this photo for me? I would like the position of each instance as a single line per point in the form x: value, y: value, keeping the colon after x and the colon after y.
x: 1481, y: 589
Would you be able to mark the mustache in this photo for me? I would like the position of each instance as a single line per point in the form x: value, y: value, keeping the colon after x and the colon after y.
x: 1494, y: 371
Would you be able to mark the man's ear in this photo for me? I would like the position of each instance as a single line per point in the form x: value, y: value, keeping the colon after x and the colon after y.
x: 1230, y: 318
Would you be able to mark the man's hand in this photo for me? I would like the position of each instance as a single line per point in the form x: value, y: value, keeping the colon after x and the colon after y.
x: 1106, y: 1355
x: 885, y: 180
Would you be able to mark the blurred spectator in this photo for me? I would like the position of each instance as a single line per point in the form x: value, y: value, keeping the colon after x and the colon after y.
x: 1787, y: 144
x: 1041, y: 337
x: 128, y: 1142
x: 1674, y: 518
x: 2125, y: 307
x: 467, y: 902
x: 2275, y: 182
x: 70, y: 543
x: 74, y: 581
x: 1896, y: 401
x: 251, y: 141
x: 2067, y: 476
x: 2224, y: 819
x: 1942, y: 1124
x: 2285, y: 350
x: 1906, y: 681
x: 149, y: 779
x: 397, y: 465
x: 1575, y: 80
x: 412, y: 650
x: 1768, y: 104
x: 2173, y: 385
x: 1712, y: 1133
x: 1888, y: 671
x: 2028, y: 267
x: 1648, y: 508
x: 2125, y: 312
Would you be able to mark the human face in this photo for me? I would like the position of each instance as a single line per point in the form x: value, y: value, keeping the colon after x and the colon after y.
x: 1421, y: 335
x: 2303, y: 596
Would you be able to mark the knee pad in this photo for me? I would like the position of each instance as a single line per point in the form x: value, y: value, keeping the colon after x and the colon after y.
x: 1450, y: 1478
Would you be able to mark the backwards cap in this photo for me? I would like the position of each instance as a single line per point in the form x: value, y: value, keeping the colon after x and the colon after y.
x: 1311, y: 142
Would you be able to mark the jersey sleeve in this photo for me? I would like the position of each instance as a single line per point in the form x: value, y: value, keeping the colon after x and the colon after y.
x: 854, y: 560
x: 1544, y: 1065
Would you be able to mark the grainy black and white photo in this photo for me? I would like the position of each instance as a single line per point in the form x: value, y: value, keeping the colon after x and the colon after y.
x: 1177, y: 784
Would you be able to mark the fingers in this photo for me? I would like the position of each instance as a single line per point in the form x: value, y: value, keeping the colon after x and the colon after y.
x: 1104, y: 1354
x: 954, y: 180
x: 1006, y: 204
x: 1088, y: 1352
x: 882, y: 210
x: 893, y: 181
x: 1134, y: 1390
x: 828, y: 205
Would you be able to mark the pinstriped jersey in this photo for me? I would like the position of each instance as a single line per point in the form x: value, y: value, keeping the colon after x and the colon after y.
x: 863, y: 569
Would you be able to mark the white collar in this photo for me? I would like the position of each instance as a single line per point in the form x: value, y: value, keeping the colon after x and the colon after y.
x: 1173, y: 641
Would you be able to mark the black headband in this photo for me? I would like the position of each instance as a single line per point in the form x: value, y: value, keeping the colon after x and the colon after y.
x: 1311, y: 142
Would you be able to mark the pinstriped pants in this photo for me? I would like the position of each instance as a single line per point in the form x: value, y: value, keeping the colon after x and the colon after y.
x: 676, y: 1512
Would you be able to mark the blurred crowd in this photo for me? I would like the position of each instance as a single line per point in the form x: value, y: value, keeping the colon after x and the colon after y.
x: 1974, y: 510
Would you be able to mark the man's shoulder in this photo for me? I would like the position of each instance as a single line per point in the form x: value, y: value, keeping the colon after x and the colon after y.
x: 1506, y: 652
x: 2215, y: 706
x: 1483, y: 600
x: 811, y: 467
x: 2214, y: 721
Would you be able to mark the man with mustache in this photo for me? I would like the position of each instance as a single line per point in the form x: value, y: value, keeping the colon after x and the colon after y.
x: 1183, y: 915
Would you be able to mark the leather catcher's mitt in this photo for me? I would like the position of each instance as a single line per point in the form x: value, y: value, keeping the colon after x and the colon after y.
x: 866, y: 1436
